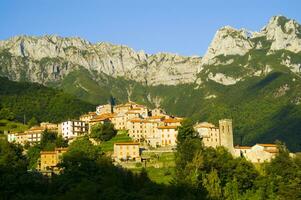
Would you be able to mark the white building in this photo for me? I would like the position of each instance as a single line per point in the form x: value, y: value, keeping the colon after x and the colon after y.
x: 258, y: 153
x: 73, y: 129
x: 11, y: 137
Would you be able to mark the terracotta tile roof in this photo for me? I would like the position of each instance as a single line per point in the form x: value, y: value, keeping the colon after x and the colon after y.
x: 267, y: 145
x: 173, y: 120
x: 242, y: 147
x: 103, y: 117
x: 36, y: 128
x: 126, y: 143
x: 137, y: 120
x: 271, y: 150
x: 167, y: 127
x: 156, y: 117
x: 63, y: 149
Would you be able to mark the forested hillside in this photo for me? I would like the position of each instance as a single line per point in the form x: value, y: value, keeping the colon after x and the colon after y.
x: 23, y: 99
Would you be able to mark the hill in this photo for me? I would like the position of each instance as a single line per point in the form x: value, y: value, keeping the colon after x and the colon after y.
x: 24, y: 99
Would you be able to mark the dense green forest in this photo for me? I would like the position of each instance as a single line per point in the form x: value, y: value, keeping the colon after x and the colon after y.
x: 201, y: 173
x: 31, y: 100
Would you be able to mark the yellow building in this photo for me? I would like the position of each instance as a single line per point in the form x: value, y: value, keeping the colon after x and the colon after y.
x: 209, y: 133
x: 50, y: 159
x: 173, y: 121
x: 119, y: 121
x: 136, y: 129
x: 217, y: 136
x: 126, y: 151
x: 158, y: 112
x: 167, y: 135
x: 49, y: 126
x: 87, y: 117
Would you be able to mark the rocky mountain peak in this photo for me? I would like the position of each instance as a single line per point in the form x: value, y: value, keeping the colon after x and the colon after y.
x: 228, y: 41
x: 281, y: 32
x: 284, y: 33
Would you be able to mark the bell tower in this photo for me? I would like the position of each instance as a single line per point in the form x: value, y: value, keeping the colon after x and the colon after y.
x: 226, y: 134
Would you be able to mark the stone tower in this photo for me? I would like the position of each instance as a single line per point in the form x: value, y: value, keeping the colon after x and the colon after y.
x: 226, y: 134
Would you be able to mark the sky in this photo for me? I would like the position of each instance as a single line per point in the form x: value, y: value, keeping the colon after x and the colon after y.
x: 185, y: 27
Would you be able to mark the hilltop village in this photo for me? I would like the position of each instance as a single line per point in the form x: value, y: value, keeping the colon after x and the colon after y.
x: 149, y: 129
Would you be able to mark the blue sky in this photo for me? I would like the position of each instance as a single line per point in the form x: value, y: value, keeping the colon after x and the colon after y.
x: 185, y: 27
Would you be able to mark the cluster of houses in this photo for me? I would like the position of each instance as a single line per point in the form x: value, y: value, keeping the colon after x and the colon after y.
x: 147, y: 127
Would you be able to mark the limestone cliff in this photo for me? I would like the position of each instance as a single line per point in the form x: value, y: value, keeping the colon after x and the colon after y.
x: 50, y: 58
x: 234, y: 55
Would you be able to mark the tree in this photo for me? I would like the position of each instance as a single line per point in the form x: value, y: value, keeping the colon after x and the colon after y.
x: 103, y: 132
x: 6, y: 113
x: 231, y: 190
x: 186, y: 131
x: 32, y: 122
x: 188, y: 157
x: 212, y: 182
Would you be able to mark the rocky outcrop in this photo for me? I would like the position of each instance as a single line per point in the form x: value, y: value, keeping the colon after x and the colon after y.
x: 50, y: 58
x: 228, y: 41
x: 281, y: 34
x: 284, y: 34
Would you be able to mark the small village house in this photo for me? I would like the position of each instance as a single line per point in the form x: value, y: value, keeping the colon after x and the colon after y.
x: 126, y: 151
x: 73, y: 128
x: 50, y: 159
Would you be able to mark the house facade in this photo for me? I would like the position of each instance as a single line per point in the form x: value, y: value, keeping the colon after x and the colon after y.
x: 50, y: 159
x: 73, y: 128
x: 126, y: 151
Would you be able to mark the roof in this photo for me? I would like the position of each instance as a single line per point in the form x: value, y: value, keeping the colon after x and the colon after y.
x: 131, y: 112
x: 36, y: 128
x: 136, y: 108
x: 173, y: 120
x: 137, y: 120
x: 103, y: 117
x: 167, y: 127
x: 54, y: 151
x: 126, y: 143
x: 156, y: 117
x: 242, y: 147
x: 47, y: 152
x: 267, y: 145
x: 271, y: 150
x: 205, y: 125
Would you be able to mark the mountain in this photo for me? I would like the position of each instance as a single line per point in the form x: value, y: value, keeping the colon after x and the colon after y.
x: 252, y: 77
x: 50, y: 59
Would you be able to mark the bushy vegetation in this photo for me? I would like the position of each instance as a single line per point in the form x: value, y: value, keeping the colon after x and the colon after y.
x: 103, y: 132
x: 219, y: 175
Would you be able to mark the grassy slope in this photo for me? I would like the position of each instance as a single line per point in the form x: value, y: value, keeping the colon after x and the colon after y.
x: 108, y: 146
